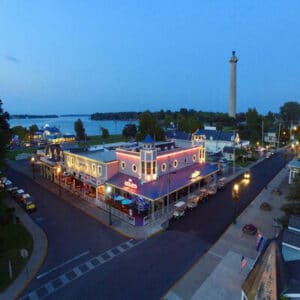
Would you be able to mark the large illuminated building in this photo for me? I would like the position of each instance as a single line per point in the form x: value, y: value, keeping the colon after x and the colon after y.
x: 139, y: 183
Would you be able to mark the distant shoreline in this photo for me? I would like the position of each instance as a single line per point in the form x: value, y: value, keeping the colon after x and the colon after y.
x: 46, y: 116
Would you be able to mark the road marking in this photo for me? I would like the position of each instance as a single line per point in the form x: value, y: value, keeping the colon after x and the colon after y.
x: 120, y: 249
x: 51, y: 286
x: 110, y: 253
x: 61, y: 265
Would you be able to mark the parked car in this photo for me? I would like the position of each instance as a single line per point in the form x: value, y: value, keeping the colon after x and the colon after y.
x: 250, y: 229
x: 179, y: 209
x: 212, y: 189
x: 24, y: 197
x: 29, y: 206
x: 193, y: 202
x: 12, y: 189
x: 221, y: 183
x: 18, y: 194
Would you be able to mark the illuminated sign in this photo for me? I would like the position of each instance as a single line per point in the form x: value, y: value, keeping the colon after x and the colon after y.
x: 195, y: 174
x: 129, y: 183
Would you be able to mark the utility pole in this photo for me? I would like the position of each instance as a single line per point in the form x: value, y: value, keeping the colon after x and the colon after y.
x: 262, y: 133
x: 278, y: 136
x: 233, y: 165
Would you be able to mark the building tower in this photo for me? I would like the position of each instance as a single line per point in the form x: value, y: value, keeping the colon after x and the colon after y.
x: 232, y: 99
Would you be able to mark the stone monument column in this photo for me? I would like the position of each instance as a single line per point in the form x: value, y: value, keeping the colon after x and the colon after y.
x: 232, y: 99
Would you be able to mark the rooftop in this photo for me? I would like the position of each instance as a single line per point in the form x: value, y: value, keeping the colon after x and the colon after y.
x: 168, y: 183
x: 99, y: 155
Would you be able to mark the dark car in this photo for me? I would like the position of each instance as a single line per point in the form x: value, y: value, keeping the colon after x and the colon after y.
x: 17, y: 195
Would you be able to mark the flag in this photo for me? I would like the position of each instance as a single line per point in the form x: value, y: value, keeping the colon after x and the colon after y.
x: 258, y: 238
x: 243, y: 262
x: 260, y: 243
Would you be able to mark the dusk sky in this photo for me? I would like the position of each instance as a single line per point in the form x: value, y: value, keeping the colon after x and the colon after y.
x: 60, y: 57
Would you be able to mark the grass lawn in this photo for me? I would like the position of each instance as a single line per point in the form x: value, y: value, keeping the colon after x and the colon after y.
x: 13, y: 237
x: 11, y: 154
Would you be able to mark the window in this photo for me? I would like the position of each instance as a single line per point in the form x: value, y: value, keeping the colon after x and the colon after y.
x: 175, y: 163
x: 143, y: 167
x: 194, y: 157
x: 154, y: 167
x: 100, y: 170
x: 72, y: 161
x: 134, y: 168
x: 148, y: 168
x: 164, y: 167
x: 93, y: 168
x: 123, y: 165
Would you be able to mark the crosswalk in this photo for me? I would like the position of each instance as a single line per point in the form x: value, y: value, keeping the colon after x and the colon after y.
x: 64, y: 279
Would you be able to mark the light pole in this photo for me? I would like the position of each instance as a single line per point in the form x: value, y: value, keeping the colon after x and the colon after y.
x: 107, y: 193
x: 32, y: 166
x: 235, y: 198
x: 58, y: 170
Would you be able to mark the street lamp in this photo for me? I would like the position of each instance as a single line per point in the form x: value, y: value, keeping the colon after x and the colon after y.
x: 235, y: 198
x: 58, y: 170
x: 32, y: 166
x: 107, y: 193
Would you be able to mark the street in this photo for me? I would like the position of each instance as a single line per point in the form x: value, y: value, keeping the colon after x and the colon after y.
x: 144, y: 269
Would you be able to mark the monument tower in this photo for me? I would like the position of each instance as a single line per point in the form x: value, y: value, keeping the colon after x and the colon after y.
x: 232, y: 99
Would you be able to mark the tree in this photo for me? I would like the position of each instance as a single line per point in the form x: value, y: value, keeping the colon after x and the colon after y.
x: 79, y: 129
x: 33, y: 128
x: 290, y: 112
x: 20, y: 131
x: 253, y: 121
x: 129, y: 131
x: 4, y: 134
x: 105, y: 133
x: 149, y: 125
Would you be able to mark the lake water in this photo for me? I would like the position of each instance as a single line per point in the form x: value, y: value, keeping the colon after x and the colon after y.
x: 66, y: 124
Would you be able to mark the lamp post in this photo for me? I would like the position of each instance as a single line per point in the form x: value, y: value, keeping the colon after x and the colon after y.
x: 107, y: 193
x: 58, y: 170
x: 32, y: 166
x: 235, y: 198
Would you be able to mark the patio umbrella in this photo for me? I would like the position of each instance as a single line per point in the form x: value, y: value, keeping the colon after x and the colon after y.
x: 126, y: 202
x: 119, y: 198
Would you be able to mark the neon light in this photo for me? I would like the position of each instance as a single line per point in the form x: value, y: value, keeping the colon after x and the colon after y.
x: 178, y: 152
x: 129, y: 183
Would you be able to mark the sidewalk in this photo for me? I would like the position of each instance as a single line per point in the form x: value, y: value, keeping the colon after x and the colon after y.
x: 40, y: 247
x: 217, y: 274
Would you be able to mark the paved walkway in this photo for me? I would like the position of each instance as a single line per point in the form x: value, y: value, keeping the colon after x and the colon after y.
x: 217, y: 274
x: 200, y: 281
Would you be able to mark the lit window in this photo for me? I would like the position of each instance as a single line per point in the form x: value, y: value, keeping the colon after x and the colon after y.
x: 194, y: 158
x: 123, y: 165
x: 93, y: 168
x: 134, y: 168
x: 164, y: 167
x: 175, y: 163
x: 99, y: 170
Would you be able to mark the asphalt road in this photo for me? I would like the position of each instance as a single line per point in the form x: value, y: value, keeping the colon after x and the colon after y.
x: 150, y: 268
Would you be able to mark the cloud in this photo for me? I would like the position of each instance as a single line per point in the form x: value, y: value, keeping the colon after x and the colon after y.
x: 12, y: 59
